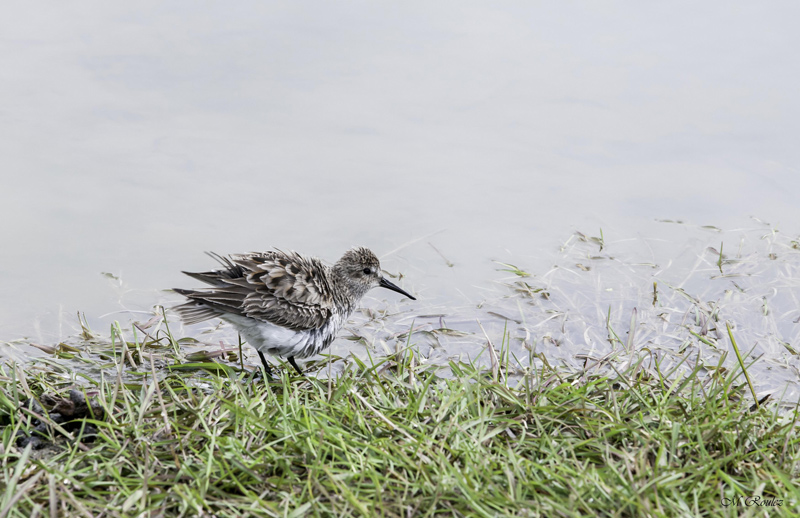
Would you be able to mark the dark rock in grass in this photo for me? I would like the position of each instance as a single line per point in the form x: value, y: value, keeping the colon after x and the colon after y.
x: 68, y: 413
x: 90, y: 433
x: 35, y: 442
x: 33, y: 406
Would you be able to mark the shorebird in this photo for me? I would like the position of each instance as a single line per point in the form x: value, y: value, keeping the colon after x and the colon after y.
x: 284, y: 303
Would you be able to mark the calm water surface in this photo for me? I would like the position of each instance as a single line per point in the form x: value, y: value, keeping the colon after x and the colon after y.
x: 136, y: 137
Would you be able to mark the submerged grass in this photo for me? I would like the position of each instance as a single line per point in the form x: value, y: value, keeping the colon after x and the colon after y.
x: 395, y: 439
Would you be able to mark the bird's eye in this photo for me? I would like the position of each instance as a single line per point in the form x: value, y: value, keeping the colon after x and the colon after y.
x: 367, y: 271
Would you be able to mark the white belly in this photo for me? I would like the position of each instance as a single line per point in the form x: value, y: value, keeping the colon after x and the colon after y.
x: 280, y: 341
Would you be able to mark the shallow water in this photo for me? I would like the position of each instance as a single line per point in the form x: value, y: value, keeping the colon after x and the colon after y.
x: 140, y: 136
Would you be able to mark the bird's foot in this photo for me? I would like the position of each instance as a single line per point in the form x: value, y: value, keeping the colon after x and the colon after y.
x: 294, y: 364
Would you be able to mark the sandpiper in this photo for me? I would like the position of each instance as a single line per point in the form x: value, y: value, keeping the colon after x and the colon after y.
x: 284, y: 304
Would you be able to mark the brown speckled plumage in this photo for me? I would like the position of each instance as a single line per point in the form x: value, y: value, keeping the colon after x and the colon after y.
x: 284, y: 303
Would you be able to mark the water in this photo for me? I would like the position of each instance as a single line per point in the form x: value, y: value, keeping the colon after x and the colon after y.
x: 134, y: 137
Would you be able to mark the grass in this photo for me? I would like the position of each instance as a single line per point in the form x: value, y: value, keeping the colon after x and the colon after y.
x: 396, y: 439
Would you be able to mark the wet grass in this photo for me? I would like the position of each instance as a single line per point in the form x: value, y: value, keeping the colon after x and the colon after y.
x: 396, y: 439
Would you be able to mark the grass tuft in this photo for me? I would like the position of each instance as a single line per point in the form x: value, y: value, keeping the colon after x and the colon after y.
x: 393, y: 438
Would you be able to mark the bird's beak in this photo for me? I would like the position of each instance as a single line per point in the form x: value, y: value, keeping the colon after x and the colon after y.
x: 388, y: 285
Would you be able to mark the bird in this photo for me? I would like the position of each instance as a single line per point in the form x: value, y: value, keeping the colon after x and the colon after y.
x: 284, y: 303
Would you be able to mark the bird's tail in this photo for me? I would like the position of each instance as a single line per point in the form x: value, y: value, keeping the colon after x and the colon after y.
x: 197, y: 308
x: 194, y: 311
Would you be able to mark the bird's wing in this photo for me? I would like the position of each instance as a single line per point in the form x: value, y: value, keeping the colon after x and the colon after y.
x: 285, y: 289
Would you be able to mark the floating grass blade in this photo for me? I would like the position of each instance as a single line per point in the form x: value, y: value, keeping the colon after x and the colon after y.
x: 741, y: 362
x: 216, y: 368
x: 513, y: 269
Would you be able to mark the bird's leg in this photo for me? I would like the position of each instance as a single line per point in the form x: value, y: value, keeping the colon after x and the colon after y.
x: 265, y: 364
x: 294, y: 364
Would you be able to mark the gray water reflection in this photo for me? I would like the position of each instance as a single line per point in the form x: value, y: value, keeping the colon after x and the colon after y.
x: 133, y: 137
